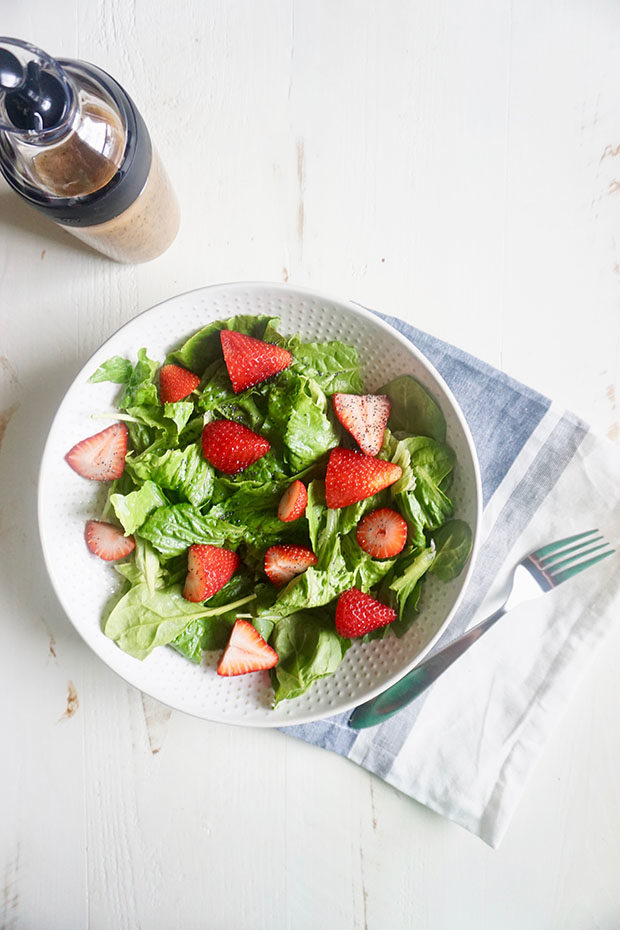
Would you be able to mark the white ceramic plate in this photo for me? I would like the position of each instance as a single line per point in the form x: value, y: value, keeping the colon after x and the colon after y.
x: 84, y: 583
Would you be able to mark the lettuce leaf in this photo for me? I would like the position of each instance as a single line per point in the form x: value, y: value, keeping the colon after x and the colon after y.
x: 115, y: 369
x: 144, y: 567
x: 183, y: 470
x: 309, y: 433
x: 172, y: 529
x: 140, y: 387
x: 132, y: 509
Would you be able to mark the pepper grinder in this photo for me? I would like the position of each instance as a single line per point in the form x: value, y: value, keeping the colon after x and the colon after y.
x: 74, y: 146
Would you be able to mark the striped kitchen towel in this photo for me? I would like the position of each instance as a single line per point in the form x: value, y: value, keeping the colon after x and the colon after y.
x: 466, y: 746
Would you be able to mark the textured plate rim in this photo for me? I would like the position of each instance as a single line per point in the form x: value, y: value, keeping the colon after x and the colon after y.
x: 356, y: 309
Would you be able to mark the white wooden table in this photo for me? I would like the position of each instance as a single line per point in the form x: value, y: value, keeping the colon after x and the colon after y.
x: 457, y: 164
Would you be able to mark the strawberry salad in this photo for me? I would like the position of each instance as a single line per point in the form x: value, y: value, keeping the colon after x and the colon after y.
x: 262, y: 504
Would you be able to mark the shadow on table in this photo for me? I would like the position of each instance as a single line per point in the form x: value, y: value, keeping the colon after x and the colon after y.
x: 16, y: 215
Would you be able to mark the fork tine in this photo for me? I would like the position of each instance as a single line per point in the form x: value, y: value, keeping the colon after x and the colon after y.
x: 553, y: 547
x: 551, y: 561
x: 579, y: 567
x: 552, y: 567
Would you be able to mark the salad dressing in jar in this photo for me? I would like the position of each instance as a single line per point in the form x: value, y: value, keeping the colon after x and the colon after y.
x: 74, y: 146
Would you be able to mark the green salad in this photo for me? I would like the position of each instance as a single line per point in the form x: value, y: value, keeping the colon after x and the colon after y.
x: 171, y: 499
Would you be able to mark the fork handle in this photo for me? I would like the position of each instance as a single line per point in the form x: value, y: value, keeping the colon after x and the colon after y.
x: 406, y: 690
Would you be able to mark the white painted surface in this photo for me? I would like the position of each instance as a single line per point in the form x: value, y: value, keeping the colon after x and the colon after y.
x: 455, y: 164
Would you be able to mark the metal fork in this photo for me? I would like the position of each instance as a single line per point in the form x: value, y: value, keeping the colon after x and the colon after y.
x: 540, y: 571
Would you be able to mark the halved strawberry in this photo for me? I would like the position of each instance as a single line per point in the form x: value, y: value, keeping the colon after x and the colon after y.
x: 246, y: 651
x: 382, y: 533
x: 358, y: 613
x: 293, y: 502
x: 231, y: 446
x: 176, y: 383
x: 284, y: 562
x: 208, y: 570
x: 365, y: 416
x: 250, y: 361
x: 100, y: 457
x: 107, y: 541
x: 352, y: 476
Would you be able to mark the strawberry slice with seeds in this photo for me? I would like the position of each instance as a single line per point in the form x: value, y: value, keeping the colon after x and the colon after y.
x: 208, y: 570
x: 364, y: 416
x: 293, y: 502
x: 100, y: 457
x: 107, y: 541
x: 358, y: 613
x: 176, y: 383
x: 231, y: 446
x: 250, y: 361
x: 352, y: 476
x: 246, y: 651
x: 382, y: 533
x: 284, y: 562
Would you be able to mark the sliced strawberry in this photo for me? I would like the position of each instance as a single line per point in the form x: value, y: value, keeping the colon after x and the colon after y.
x: 293, y: 502
x: 107, y: 541
x: 365, y: 416
x: 382, y: 533
x: 100, y: 457
x: 208, y: 570
x: 231, y: 446
x: 175, y: 383
x: 358, y: 613
x: 246, y: 651
x: 284, y: 562
x: 250, y: 361
x: 353, y: 477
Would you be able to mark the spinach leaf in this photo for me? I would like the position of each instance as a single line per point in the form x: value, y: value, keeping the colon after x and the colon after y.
x: 189, y: 641
x: 204, y: 347
x: 308, y: 648
x: 333, y: 365
x: 132, y: 509
x: 413, y: 410
x: 453, y: 543
x: 142, y: 619
x: 173, y: 529
x: 115, y: 369
x: 181, y: 470
x: 218, y: 398
x: 207, y: 633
